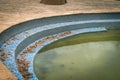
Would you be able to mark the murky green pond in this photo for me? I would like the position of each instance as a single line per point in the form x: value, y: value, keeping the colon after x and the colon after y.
x: 93, y: 56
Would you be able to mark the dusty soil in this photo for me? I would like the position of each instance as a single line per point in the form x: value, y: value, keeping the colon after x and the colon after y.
x: 16, y: 11
x: 3, y: 75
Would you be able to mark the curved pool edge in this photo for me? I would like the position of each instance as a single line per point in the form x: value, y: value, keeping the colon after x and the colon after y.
x: 107, y: 21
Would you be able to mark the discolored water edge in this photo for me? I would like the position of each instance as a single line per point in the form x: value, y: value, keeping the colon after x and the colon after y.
x: 108, y: 35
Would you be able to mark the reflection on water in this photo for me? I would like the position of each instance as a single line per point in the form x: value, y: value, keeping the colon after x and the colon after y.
x: 96, y: 58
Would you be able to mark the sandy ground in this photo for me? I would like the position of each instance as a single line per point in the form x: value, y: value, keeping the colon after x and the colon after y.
x: 16, y: 11
x: 5, y: 74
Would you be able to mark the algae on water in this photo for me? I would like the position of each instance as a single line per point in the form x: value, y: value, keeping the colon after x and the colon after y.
x: 91, y: 60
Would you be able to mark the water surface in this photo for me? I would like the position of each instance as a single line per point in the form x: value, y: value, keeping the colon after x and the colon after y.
x: 93, y: 56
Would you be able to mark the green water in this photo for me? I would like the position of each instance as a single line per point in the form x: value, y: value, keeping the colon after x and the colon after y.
x: 93, y: 56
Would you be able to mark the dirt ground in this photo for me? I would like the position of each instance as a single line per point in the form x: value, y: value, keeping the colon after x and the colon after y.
x: 5, y: 74
x: 16, y: 11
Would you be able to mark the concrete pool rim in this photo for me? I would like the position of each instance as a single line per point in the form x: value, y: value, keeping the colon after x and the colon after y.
x: 103, y: 21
